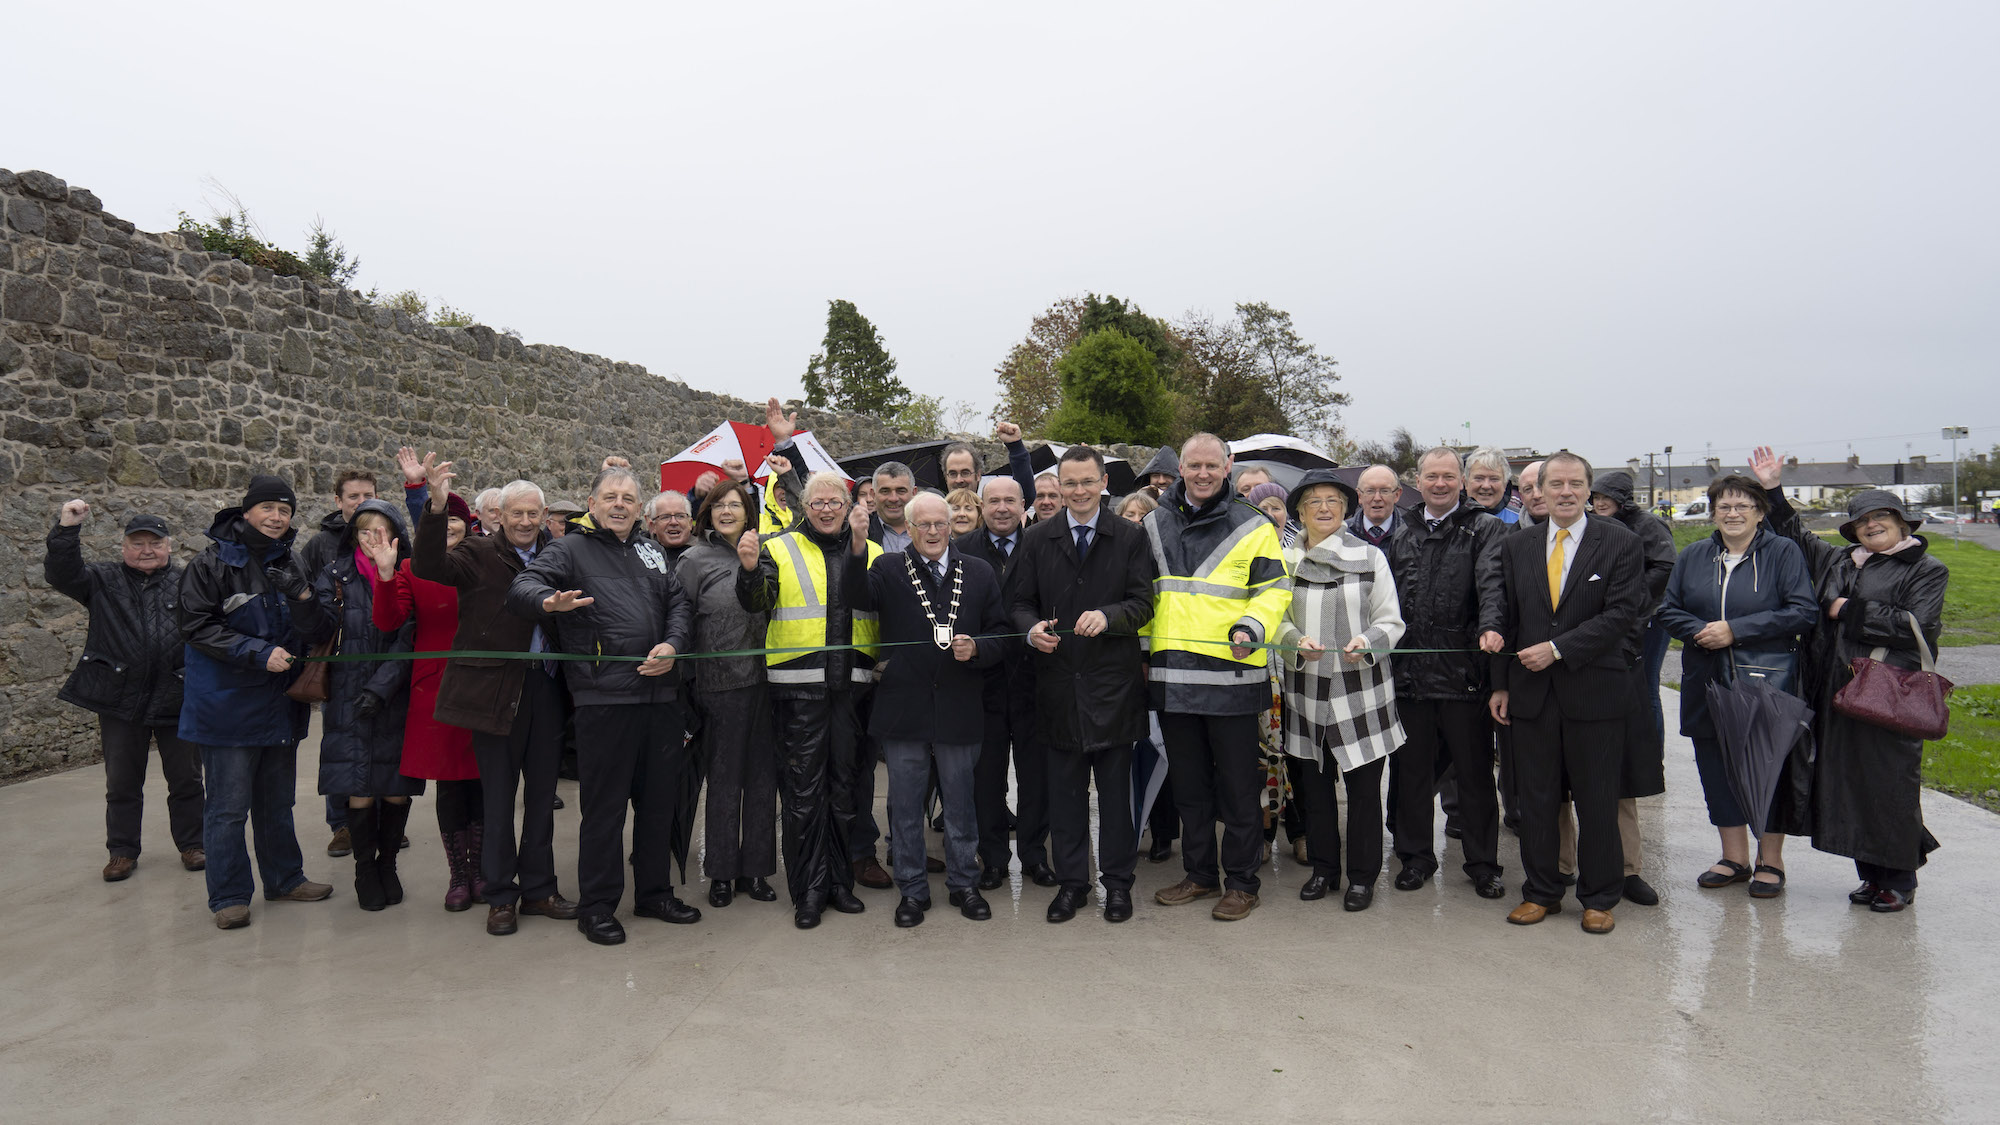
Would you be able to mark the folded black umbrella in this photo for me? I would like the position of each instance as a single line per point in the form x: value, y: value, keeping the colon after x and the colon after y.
x: 1759, y: 729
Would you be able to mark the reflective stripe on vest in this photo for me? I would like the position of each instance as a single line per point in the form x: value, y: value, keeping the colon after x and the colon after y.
x: 799, y: 618
x: 1210, y: 602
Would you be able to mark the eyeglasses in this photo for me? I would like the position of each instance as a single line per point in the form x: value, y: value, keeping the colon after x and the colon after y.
x: 665, y: 516
x: 826, y: 505
x: 1088, y: 482
x: 1734, y: 509
x: 1322, y: 503
x: 932, y: 525
x: 1380, y: 491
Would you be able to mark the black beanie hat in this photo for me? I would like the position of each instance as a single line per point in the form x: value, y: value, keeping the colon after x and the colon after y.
x: 264, y: 488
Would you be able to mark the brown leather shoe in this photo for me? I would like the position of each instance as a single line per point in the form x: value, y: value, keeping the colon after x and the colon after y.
x: 232, y: 917
x: 1597, y: 922
x: 307, y: 891
x: 194, y: 859
x: 500, y: 920
x: 341, y: 844
x: 1529, y: 913
x: 554, y: 906
x: 119, y: 868
x: 868, y: 872
x: 1234, y: 907
x: 1184, y: 892
x: 934, y: 865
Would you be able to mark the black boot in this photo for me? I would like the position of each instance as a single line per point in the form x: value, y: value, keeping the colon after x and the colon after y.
x: 365, y: 833
x: 391, y: 819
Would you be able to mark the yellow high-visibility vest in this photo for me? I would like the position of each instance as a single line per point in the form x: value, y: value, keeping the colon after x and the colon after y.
x: 799, y: 618
x: 1212, y: 600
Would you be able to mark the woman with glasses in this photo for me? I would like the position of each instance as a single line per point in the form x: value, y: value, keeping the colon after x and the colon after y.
x: 1738, y: 602
x: 1867, y: 780
x: 740, y: 841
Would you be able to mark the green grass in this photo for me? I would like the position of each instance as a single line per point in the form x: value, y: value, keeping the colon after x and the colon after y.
x: 1966, y: 762
x: 1971, y: 599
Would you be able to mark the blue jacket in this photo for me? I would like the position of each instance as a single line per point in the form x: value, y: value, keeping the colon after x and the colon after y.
x: 231, y: 617
x: 1770, y: 605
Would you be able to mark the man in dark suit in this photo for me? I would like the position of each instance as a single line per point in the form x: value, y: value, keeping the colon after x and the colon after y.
x: 1575, y: 587
x: 939, y: 609
x: 1374, y: 521
x: 1082, y: 589
x: 1010, y: 714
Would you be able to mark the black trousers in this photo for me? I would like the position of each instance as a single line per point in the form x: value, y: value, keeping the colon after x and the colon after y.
x: 634, y: 753
x: 1458, y: 730
x: 124, y: 745
x: 1218, y: 773
x: 1165, y: 820
x: 1312, y: 787
x: 860, y: 832
x: 1549, y: 750
x: 522, y: 760
x: 1010, y: 732
x: 740, y: 827
x: 820, y: 737
x: 1070, y: 773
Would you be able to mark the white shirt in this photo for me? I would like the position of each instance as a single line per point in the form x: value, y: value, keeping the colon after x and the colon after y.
x: 1569, y: 548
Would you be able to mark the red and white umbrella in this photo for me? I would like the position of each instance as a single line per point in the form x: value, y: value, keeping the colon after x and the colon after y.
x: 750, y: 444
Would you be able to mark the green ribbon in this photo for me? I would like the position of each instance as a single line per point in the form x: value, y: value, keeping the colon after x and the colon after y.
x: 489, y: 654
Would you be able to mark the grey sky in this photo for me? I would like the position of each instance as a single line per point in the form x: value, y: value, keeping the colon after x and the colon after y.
x: 1610, y: 227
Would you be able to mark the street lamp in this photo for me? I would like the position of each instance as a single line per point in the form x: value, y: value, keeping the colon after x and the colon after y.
x: 1954, y: 433
x: 1670, y: 476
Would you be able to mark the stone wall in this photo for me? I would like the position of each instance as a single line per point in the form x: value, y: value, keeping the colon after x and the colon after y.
x: 141, y: 372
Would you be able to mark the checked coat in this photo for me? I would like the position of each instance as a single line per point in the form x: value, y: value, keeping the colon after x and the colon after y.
x: 1341, y: 589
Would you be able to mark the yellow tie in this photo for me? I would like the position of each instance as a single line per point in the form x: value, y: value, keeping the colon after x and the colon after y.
x: 1556, y: 568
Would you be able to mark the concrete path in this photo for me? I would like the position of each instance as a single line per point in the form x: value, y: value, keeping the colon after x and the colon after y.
x: 1971, y: 664
x: 122, y: 1002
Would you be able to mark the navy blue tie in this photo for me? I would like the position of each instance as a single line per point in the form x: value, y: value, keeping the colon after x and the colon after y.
x: 1082, y: 541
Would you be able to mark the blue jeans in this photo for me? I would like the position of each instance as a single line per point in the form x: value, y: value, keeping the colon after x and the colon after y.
x: 336, y: 812
x: 257, y: 783
x: 909, y: 776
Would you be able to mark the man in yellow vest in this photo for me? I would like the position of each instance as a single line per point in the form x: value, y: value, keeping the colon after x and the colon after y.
x: 800, y: 578
x: 1221, y: 590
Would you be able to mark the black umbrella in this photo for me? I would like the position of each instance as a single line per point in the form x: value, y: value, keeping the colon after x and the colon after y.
x: 687, y: 800
x: 1759, y: 727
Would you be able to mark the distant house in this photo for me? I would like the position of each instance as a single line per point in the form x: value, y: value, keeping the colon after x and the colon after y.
x: 1808, y: 484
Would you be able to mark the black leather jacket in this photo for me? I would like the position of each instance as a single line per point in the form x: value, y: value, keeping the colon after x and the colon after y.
x: 636, y: 603
x: 1449, y: 584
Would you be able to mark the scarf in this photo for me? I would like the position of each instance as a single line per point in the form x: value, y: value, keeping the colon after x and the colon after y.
x: 1861, y: 555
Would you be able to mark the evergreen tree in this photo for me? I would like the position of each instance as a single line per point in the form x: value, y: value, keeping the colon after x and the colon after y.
x: 852, y: 371
x: 1111, y: 392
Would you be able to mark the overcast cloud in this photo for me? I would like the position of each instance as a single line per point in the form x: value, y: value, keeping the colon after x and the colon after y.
x: 1609, y: 227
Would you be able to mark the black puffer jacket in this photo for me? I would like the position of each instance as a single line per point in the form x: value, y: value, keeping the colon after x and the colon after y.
x: 131, y: 663
x: 1655, y: 537
x: 323, y: 546
x: 1449, y: 584
x: 636, y: 603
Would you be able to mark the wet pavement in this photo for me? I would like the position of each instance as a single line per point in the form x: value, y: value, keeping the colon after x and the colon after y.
x: 1967, y: 665
x: 123, y: 1002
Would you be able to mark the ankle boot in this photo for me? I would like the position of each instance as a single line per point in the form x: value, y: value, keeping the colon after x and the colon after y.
x: 458, y: 896
x: 475, y: 840
x: 391, y: 820
x: 364, y: 831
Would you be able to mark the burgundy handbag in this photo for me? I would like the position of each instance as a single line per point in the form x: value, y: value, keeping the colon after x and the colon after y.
x: 1909, y: 702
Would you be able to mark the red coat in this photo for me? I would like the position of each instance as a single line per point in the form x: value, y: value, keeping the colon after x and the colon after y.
x: 430, y: 748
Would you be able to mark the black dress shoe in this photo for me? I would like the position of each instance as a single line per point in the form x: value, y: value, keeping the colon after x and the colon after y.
x: 1863, y: 894
x: 971, y: 904
x: 993, y: 878
x: 909, y: 912
x: 756, y: 887
x: 843, y: 900
x: 1160, y: 852
x: 1639, y: 892
x: 1568, y: 878
x: 1359, y: 896
x: 1489, y: 886
x: 1043, y: 875
x: 1063, y: 907
x: 670, y: 910
x: 601, y: 929
x: 1452, y: 831
x: 559, y: 803
x: 719, y: 893
x: 806, y: 914
x: 1315, y: 888
x: 1887, y: 901
x: 1410, y: 879
x: 1117, y: 906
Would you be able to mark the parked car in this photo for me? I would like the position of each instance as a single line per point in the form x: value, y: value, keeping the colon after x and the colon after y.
x: 1946, y: 515
x: 1694, y: 511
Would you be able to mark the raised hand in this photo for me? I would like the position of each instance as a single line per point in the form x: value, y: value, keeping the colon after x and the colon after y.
x: 1765, y: 465
x: 439, y: 476
x: 413, y: 469
x: 781, y: 425
x: 563, y: 601
x: 381, y: 549
x: 747, y: 551
x: 857, y: 526
x: 614, y: 462
x: 1007, y: 432
x: 75, y: 512
x: 779, y: 466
